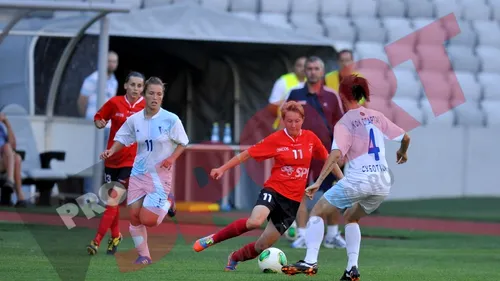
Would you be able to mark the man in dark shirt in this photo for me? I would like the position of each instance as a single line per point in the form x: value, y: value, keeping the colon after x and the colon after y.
x: 323, y: 108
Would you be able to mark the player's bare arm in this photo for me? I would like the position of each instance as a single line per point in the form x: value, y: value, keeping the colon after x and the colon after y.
x: 330, y: 164
x: 401, y: 153
x: 117, y: 146
x: 235, y: 161
x: 167, y: 163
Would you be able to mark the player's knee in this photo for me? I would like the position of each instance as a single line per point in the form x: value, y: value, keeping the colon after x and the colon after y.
x: 134, y: 217
x: 149, y: 218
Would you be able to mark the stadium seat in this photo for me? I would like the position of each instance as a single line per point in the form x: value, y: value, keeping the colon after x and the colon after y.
x: 489, y: 57
x: 378, y: 83
x: 444, y: 7
x: 186, y: 1
x: 305, y: 6
x: 488, y: 32
x: 430, y: 78
x: 369, y: 29
x: 469, y: 114
x: 407, y: 87
x: 411, y: 106
x: 491, y: 112
x: 445, y: 119
x: 495, y: 9
x: 246, y: 15
x: 36, y: 166
x: 467, y: 35
x: 363, y: 8
x: 433, y: 58
x: 334, y: 8
x: 470, y: 86
x: 437, y: 37
x: 134, y: 4
x: 251, y: 6
x: 304, y: 19
x: 275, y: 19
x: 419, y: 9
x: 341, y: 45
x: 463, y: 58
x: 156, y: 3
x: 310, y: 29
x: 398, y: 28
x: 489, y: 83
x: 219, y: 5
x: 391, y: 8
x: 476, y: 11
x: 371, y: 50
x: 339, y: 28
x: 275, y: 6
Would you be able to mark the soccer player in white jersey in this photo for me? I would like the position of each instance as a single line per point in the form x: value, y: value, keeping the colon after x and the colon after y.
x: 359, y: 136
x: 161, y: 139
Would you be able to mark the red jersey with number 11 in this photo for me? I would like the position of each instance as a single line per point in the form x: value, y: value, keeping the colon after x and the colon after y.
x: 292, y: 159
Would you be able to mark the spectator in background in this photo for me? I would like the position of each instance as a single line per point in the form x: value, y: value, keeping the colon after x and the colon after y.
x: 323, y: 108
x: 346, y: 63
x: 87, y: 102
x: 10, y: 161
x: 282, y: 87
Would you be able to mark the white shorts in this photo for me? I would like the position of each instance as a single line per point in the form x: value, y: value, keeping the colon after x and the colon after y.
x: 344, y: 194
x: 155, y: 199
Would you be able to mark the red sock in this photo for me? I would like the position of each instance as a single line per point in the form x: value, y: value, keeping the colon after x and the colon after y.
x: 247, y: 252
x: 115, y: 226
x: 106, y: 221
x: 236, y: 228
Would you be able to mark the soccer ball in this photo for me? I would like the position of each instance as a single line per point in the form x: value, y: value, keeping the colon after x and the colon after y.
x: 271, y: 260
x: 291, y: 233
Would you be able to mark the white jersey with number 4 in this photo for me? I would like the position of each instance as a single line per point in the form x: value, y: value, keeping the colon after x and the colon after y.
x: 360, y: 136
x: 156, y: 137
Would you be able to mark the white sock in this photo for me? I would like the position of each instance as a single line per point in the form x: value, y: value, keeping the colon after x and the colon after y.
x: 353, y: 241
x: 314, y: 237
x: 332, y: 231
x: 301, y: 232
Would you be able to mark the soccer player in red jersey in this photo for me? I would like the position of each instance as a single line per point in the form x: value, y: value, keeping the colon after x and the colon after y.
x: 118, y: 167
x: 292, y: 149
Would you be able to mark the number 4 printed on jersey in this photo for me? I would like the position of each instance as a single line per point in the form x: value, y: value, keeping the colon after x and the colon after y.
x: 372, y: 146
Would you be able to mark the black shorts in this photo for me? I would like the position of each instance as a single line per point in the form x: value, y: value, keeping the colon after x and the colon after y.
x: 283, y: 210
x: 120, y: 175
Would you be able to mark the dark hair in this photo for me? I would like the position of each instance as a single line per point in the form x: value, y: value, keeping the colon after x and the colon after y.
x: 344, y: 51
x: 153, y: 81
x: 134, y: 74
x: 354, y: 88
x: 315, y: 59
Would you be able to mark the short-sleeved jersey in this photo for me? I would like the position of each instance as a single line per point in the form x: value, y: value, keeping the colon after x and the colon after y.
x: 292, y: 159
x: 118, y: 109
x: 156, y: 139
x: 360, y: 135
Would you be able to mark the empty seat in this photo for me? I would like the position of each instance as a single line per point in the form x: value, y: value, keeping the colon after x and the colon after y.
x: 343, y: 45
x: 305, y: 6
x: 488, y: 32
x: 156, y: 3
x: 398, y: 28
x: 377, y: 81
x: 363, y: 8
x: 420, y: 9
x: 186, y: 1
x: 410, y: 106
x: 339, y: 28
x: 134, y: 4
x: 495, y: 9
x: 489, y: 57
x: 391, y: 8
x: 463, y: 58
x: 369, y: 29
x: 469, y: 85
x: 275, y: 6
x: 371, y: 50
x: 251, y: 6
x: 491, y: 112
x: 435, y: 81
x: 334, y: 7
x: 445, y: 119
x: 246, y: 15
x: 467, y: 35
x: 310, y: 29
x: 304, y: 19
x: 433, y: 58
x: 476, y: 11
x: 407, y: 86
x: 219, y: 5
x: 489, y: 83
x: 275, y: 19
x: 437, y: 36
x: 469, y: 114
x: 445, y: 7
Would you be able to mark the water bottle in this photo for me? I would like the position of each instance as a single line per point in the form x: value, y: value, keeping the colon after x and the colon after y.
x: 227, y: 134
x: 215, y: 133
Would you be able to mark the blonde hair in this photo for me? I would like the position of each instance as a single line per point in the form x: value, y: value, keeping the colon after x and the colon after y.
x: 292, y: 106
x: 153, y: 81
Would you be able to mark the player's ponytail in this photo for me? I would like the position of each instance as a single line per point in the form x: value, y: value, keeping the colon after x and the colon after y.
x: 354, y: 88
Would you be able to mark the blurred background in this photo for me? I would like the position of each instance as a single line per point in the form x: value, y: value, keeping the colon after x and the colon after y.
x: 221, y: 58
